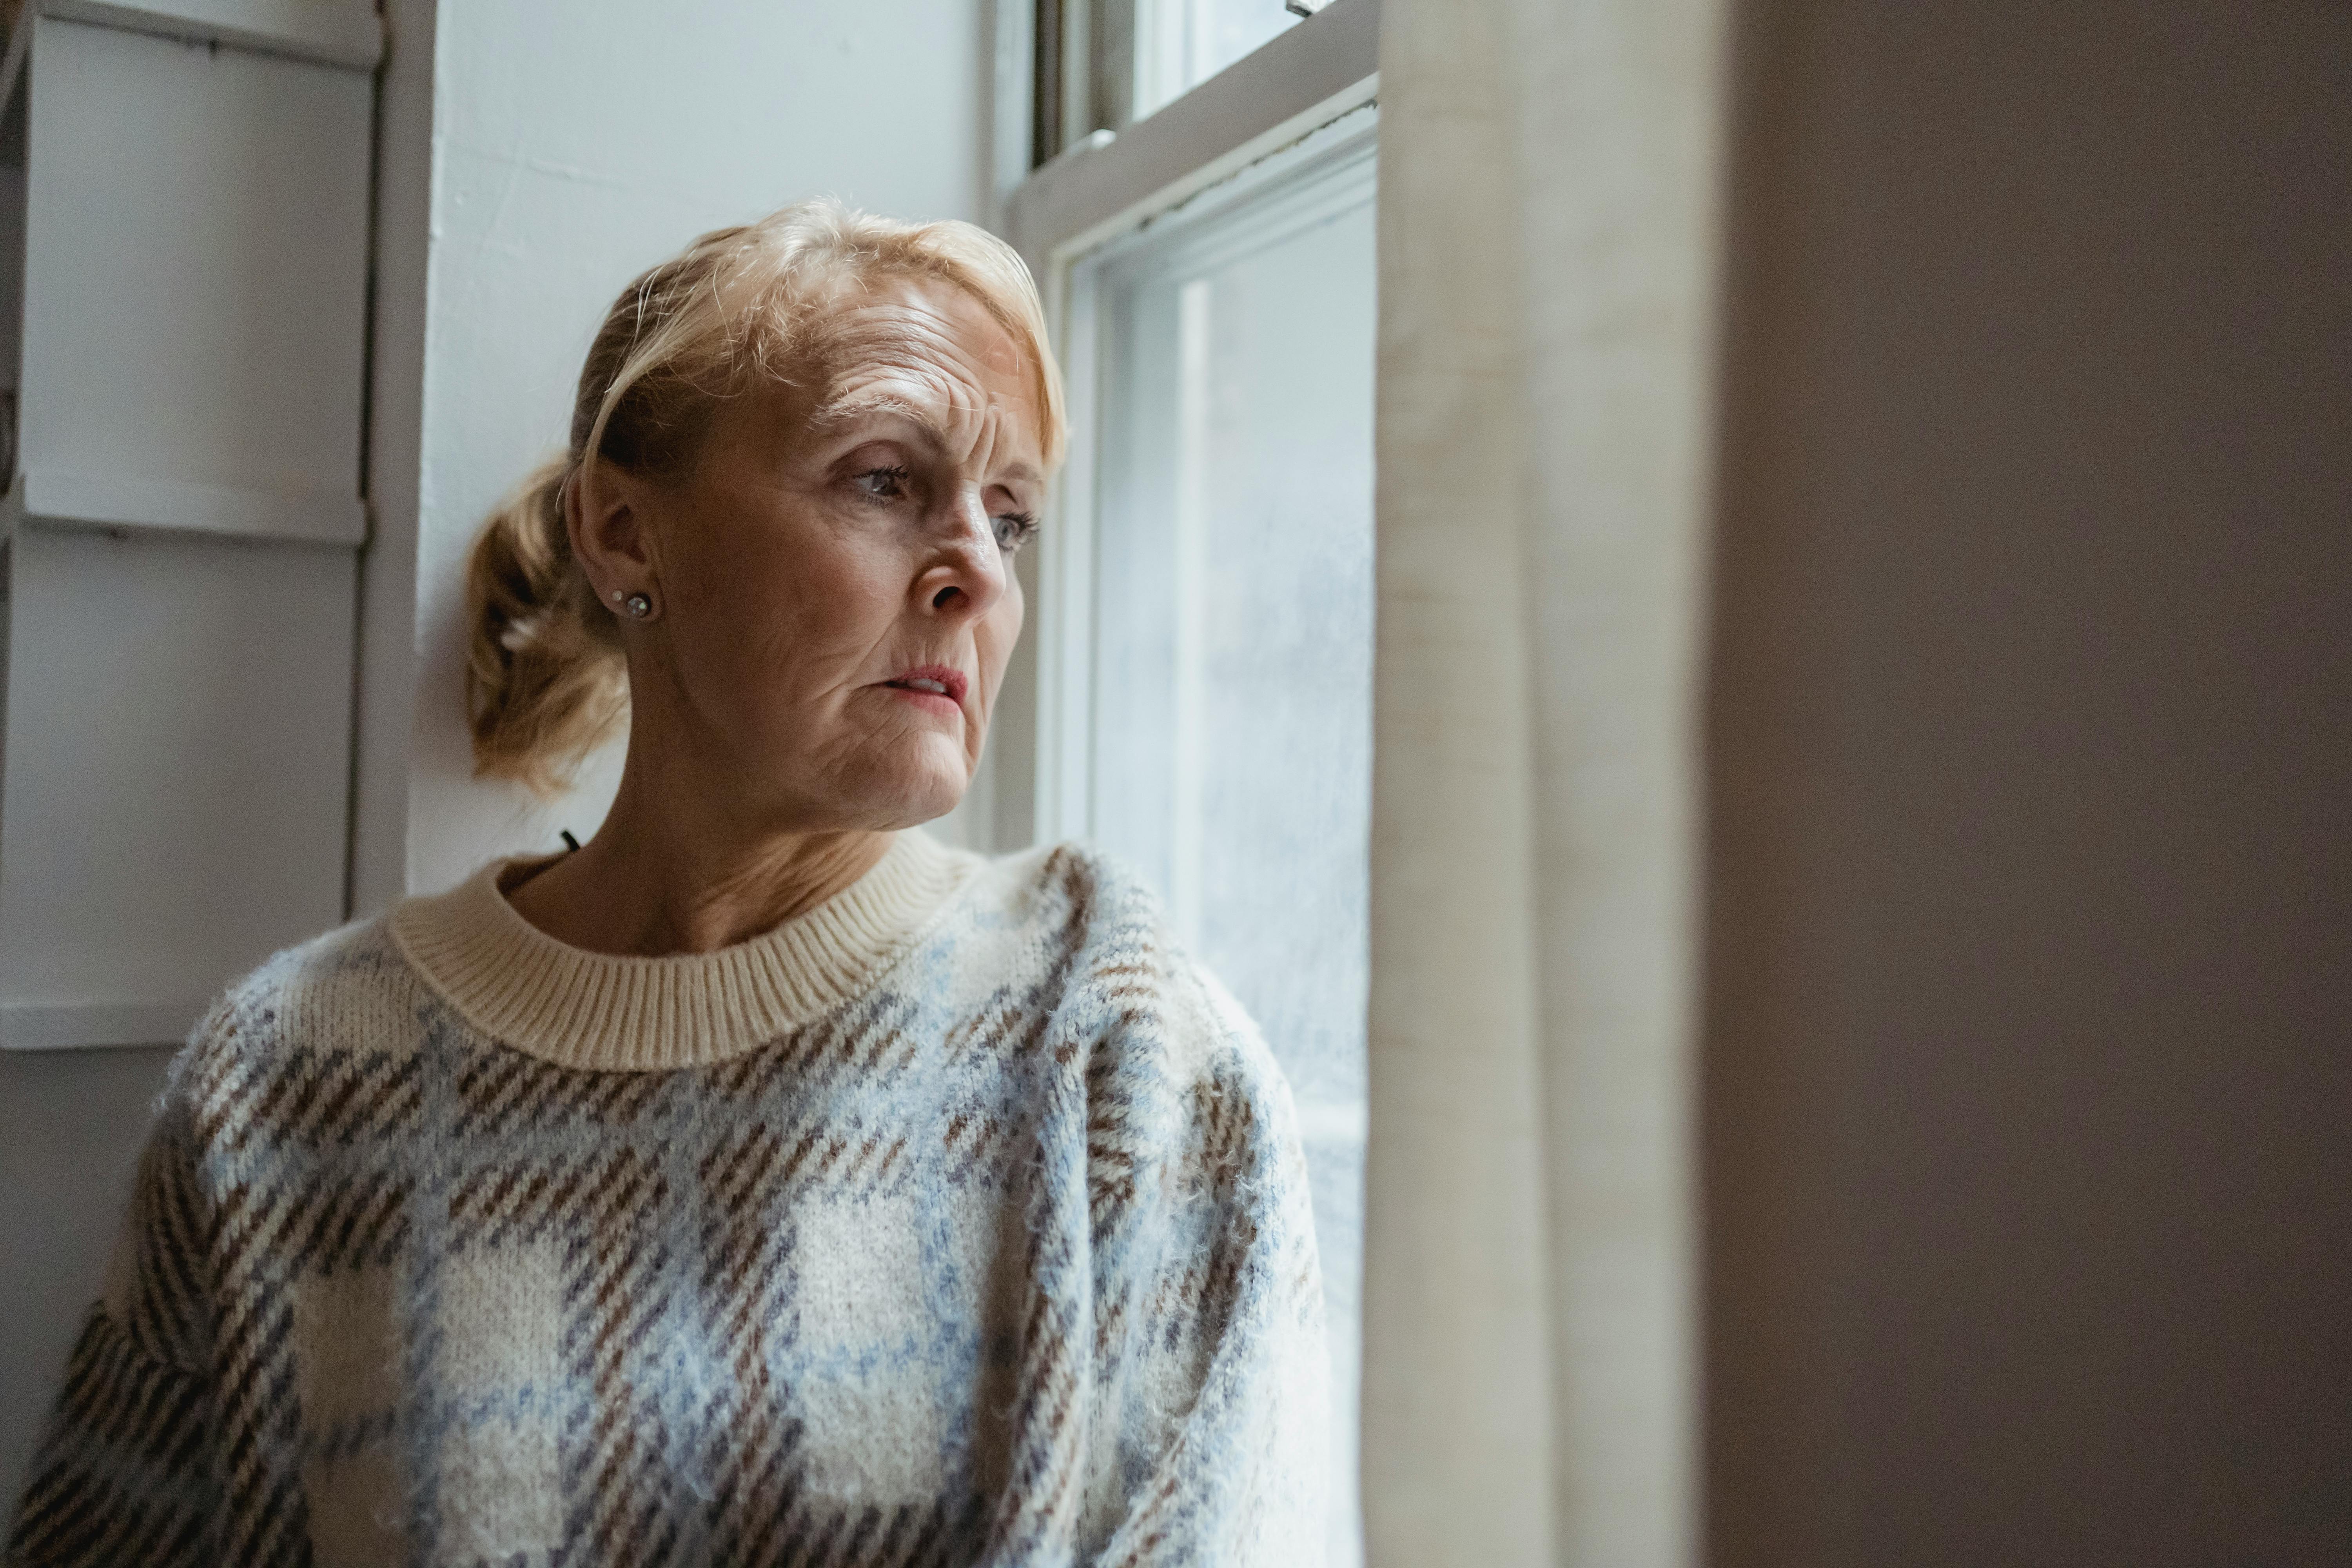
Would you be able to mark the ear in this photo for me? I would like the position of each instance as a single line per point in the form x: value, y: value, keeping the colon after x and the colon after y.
x: 606, y: 514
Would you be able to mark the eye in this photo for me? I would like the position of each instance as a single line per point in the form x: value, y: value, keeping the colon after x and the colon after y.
x: 882, y: 484
x: 1014, y: 529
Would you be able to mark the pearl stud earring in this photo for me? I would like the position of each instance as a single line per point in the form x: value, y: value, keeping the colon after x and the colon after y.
x: 638, y: 605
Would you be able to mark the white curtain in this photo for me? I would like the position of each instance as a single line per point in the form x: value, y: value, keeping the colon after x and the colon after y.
x: 1548, y: 221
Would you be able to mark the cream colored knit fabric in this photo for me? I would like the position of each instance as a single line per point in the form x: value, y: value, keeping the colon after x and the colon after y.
x: 959, y: 1220
x: 591, y: 1010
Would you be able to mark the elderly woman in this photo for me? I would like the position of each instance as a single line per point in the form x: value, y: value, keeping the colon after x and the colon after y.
x: 760, y: 1182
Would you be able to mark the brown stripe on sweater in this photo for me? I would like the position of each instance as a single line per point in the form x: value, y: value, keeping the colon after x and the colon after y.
x: 751, y: 1450
x: 617, y: 1489
x: 358, y: 1223
x: 357, y: 1098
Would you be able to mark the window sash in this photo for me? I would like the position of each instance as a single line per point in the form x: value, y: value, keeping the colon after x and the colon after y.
x: 1032, y: 787
x: 1322, y: 172
x: 1303, y: 79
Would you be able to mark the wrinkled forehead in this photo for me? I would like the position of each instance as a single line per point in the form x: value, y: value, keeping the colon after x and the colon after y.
x: 927, y: 348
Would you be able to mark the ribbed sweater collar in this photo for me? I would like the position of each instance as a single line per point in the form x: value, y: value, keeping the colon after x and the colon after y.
x: 598, y: 1012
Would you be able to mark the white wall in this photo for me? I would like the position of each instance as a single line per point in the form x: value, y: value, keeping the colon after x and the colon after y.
x: 570, y: 146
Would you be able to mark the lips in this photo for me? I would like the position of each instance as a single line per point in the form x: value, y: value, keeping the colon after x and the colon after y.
x: 937, y: 679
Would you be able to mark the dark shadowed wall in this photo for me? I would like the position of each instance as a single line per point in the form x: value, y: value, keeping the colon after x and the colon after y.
x: 2029, y: 1037
x: 70, y: 1126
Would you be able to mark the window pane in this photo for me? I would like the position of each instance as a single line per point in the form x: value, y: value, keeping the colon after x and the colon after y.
x: 1232, y: 732
x: 1181, y: 43
x: 1102, y: 65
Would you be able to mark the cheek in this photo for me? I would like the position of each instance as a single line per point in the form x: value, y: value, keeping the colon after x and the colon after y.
x: 999, y: 630
x: 791, y: 599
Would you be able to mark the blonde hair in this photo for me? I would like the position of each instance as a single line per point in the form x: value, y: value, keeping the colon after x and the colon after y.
x: 544, y: 679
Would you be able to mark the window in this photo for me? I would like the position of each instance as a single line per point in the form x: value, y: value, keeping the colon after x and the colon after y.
x: 1229, y: 749
x: 1202, y: 603
x: 1106, y: 63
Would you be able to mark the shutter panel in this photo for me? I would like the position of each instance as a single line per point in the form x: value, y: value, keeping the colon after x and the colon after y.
x: 185, y: 516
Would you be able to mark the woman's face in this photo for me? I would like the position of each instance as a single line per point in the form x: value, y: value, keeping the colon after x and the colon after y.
x: 835, y: 575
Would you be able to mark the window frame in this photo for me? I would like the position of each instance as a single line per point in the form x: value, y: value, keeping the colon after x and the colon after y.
x: 1033, y: 786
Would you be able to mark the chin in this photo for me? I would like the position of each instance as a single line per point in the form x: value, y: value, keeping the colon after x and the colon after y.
x: 924, y: 791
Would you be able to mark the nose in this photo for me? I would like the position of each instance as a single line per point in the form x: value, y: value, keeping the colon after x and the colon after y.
x: 965, y: 575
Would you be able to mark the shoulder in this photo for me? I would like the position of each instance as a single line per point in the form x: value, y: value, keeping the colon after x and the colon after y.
x: 1033, y: 923
x: 309, y: 1011
x: 1071, y: 886
x: 1091, y: 909
x: 1129, y: 989
x: 1088, y: 914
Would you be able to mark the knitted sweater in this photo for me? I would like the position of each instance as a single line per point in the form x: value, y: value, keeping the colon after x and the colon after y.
x: 961, y: 1219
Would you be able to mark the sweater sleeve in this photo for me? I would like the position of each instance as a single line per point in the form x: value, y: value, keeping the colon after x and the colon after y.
x: 1225, y: 1390
x: 124, y: 1474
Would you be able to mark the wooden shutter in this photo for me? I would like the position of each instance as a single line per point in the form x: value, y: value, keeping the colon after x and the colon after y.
x: 185, y: 193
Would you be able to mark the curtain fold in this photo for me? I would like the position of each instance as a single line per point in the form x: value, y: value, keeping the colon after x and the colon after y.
x: 1548, y: 220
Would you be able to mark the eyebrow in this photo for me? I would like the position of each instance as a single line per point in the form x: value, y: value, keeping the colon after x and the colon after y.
x: 833, y: 416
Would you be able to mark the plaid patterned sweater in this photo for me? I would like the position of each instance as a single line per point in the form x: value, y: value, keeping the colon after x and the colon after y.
x: 961, y: 1219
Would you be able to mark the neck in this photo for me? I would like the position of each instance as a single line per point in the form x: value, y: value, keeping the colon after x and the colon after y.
x: 673, y: 871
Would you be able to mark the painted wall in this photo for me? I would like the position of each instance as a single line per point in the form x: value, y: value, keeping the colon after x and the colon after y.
x: 2029, y: 1072
x: 570, y: 147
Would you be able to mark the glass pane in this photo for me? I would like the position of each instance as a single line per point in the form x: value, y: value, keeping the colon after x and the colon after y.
x: 1232, y: 736
x: 1179, y: 44
x: 1101, y: 65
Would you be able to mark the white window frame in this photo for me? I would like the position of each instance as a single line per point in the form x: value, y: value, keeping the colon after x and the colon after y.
x: 1034, y: 786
